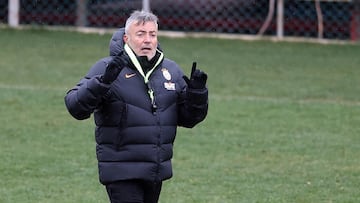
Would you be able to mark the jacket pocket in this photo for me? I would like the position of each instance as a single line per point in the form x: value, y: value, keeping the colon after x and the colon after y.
x: 111, y: 114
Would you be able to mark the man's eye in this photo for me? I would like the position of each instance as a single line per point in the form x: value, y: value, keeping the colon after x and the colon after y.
x: 140, y: 33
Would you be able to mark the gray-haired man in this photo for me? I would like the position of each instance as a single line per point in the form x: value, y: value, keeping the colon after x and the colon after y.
x: 138, y: 98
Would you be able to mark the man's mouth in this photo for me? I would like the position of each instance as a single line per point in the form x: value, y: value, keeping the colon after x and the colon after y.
x: 145, y: 49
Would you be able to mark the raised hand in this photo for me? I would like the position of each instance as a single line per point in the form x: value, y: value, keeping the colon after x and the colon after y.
x: 114, y: 67
x: 197, y: 78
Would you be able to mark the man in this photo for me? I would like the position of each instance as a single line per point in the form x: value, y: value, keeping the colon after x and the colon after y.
x: 138, y: 98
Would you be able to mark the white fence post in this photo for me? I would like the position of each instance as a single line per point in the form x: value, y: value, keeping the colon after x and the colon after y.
x: 13, y: 15
x: 81, y: 13
x: 280, y: 19
x: 146, y: 5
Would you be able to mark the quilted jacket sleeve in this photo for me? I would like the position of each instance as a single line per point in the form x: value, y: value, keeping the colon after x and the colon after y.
x: 85, y: 97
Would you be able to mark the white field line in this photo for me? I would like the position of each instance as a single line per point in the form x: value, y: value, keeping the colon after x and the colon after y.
x: 284, y: 100
x: 215, y: 97
x: 32, y: 87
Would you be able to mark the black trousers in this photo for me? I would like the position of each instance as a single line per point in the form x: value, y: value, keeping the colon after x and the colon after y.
x: 134, y: 191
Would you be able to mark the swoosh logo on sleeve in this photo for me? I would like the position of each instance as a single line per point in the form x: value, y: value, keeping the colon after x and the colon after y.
x: 127, y: 76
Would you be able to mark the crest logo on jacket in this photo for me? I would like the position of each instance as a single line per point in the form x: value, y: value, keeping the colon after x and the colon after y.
x: 166, y: 74
x: 168, y: 84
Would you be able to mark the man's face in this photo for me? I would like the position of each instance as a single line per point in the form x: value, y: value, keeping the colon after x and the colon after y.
x: 142, y: 38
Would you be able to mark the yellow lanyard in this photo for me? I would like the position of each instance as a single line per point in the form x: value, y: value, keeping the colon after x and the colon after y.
x: 138, y: 67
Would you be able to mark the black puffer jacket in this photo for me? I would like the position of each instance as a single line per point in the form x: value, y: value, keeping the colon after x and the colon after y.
x: 134, y: 140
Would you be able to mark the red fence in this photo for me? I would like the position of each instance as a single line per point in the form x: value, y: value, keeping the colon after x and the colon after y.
x: 340, y: 19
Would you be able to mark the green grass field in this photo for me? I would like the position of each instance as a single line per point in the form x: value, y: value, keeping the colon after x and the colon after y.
x: 283, y: 124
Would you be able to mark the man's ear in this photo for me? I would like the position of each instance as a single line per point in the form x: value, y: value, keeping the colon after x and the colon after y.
x: 125, y: 38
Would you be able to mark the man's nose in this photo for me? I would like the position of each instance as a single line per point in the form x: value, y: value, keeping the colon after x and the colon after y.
x: 147, y: 38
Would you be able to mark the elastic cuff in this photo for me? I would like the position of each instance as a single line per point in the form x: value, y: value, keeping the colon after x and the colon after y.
x: 197, y: 96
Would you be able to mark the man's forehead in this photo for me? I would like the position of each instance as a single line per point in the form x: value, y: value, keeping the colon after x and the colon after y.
x: 148, y: 26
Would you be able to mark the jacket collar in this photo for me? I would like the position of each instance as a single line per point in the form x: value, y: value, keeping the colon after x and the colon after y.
x: 137, y: 64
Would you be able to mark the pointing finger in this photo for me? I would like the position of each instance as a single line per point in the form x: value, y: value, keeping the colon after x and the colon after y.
x: 193, y: 68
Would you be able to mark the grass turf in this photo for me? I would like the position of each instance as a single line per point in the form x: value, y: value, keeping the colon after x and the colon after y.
x: 283, y: 122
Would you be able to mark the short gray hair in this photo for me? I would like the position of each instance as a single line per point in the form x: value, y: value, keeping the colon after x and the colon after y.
x: 140, y: 17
